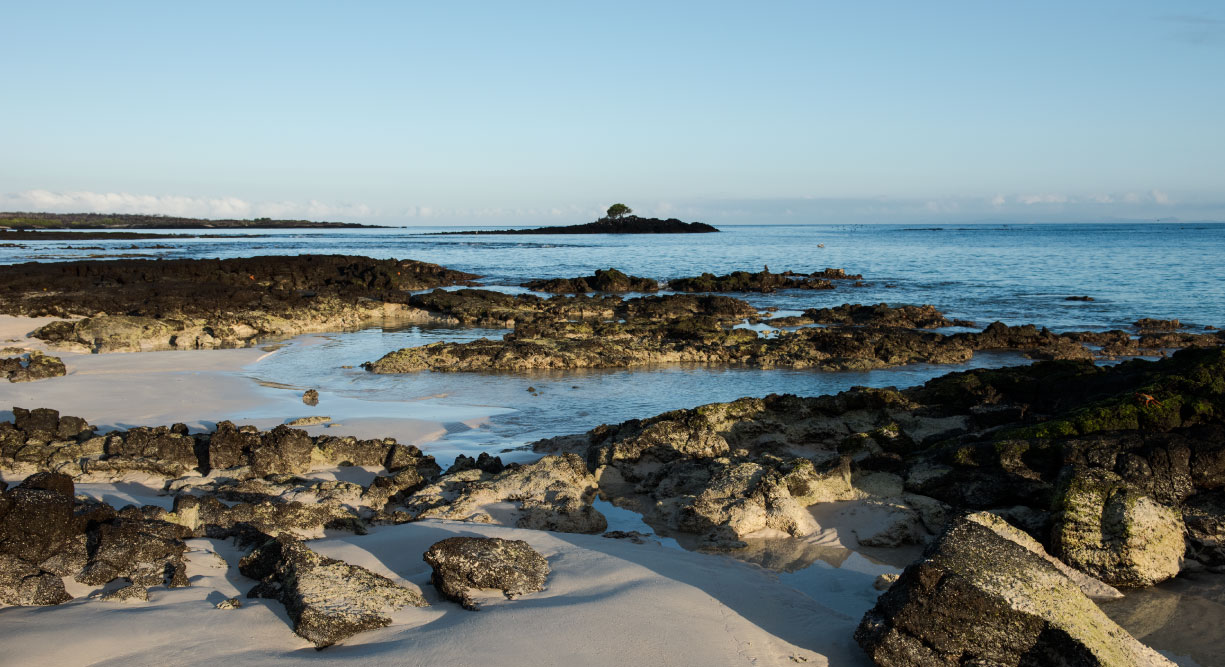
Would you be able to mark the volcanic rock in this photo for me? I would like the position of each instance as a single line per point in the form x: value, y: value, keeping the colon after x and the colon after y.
x: 328, y: 600
x: 36, y: 366
x: 464, y: 563
x: 984, y: 594
x: 610, y: 280
x: 1113, y: 532
x: 554, y: 493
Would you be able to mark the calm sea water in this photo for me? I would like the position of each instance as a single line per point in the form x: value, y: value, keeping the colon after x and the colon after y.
x: 1014, y: 273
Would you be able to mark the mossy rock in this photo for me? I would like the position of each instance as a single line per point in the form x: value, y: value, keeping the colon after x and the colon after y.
x: 1112, y: 531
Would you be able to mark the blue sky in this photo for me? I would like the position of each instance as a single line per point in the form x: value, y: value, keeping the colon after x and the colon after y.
x: 525, y: 113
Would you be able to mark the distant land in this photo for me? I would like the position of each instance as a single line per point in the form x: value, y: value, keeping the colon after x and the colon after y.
x: 134, y: 221
x: 627, y: 225
x: 56, y: 234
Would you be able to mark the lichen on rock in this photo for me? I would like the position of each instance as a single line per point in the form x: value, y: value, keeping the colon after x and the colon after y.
x: 462, y: 564
x: 328, y: 600
x: 984, y: 594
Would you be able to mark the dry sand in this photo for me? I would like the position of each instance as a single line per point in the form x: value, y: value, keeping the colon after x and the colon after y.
x: 608, y: 602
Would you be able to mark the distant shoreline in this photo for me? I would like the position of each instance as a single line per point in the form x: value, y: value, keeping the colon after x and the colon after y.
x: 57, y: 234
x: 26, y: 221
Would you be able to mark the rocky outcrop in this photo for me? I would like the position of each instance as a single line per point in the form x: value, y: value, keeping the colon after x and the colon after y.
x: 1114, y: 532
x: 32, y: 366
x: 726, y: 471
x: 311, y: 397
x: 131, y: 305
x: 43, y: 440
x: 41, y: 541
x: 1151, y: 324
x: 477, y: 307
x: 206, y: 516
x: 554, y: 493
x: 670, y: 329
x: 464, y: 563
x: 1003, y: 440
x: 883, y: 315
x: 610, y: 280
x: 46, y: 534
x: 763, y: 281
x: 327, y: 600
x: 985, y: 594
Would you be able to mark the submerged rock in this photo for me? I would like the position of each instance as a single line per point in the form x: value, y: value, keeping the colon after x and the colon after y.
x: 883, y: 315
x: 328, y: 600
x: 762, y: 281
x: 465, y: 563
x: 984, y: 594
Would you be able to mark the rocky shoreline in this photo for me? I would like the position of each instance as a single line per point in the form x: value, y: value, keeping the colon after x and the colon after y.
x: 1117, y: 472
x: 674, y: 329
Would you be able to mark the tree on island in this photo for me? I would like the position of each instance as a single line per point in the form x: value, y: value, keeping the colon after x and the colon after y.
x: 617, y: 210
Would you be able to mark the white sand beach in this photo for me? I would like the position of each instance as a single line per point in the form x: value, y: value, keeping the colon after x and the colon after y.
x: 608, y: 601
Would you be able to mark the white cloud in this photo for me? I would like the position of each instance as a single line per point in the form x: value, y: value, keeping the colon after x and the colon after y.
x: 1042, y: 199
x: 1160, y: 197
x: 998, y: 201
x: 177, y: 205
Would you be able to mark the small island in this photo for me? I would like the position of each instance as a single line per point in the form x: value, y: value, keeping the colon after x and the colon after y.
x: 27, y: 221
x: 617, y: 221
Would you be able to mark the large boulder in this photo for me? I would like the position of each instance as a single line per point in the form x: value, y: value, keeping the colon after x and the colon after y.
x: 144, y: 552
x: 465, y: 563
x: 985, y: 593
x: 328, y: 600
x: 40, y: 540
x: 1108, y: 529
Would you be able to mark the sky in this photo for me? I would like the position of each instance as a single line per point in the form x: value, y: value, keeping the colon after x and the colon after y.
x: 488, y: 113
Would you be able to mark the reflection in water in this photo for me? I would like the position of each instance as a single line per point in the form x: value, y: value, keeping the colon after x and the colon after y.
x: 787, y: 554
x: 1185, y: 616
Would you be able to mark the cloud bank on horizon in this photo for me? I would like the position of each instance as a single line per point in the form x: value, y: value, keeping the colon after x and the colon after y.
x: 499, y: 113
x: 1034, y: 207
